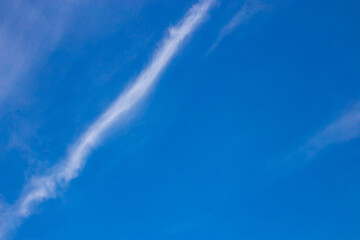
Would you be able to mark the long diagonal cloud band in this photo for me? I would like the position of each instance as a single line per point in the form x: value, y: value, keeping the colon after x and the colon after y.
x: 46, y: 186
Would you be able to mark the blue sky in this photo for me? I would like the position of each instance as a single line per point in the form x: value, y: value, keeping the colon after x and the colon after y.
x: 179, y: 119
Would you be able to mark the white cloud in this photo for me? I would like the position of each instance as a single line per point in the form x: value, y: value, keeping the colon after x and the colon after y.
x: 46, y: 186
x: 249, y: 8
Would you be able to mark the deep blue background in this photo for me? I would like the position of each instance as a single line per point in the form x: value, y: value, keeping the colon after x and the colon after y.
x: 189, y: 164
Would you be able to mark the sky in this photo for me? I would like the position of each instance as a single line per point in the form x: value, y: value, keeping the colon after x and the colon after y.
x: 196, y: 119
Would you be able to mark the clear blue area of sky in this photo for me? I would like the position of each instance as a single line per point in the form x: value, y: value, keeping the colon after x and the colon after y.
x: 191, y: 162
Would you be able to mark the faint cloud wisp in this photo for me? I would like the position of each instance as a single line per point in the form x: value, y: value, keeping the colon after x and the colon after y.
x: 250, y: 8
x: 345, y: 128
x: 27, y: 33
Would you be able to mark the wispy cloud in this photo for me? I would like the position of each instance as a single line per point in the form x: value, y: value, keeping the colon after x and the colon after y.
x: 249, y: 8
x: 28, y: 33
x: 344, y: 128
x: 44, y: 187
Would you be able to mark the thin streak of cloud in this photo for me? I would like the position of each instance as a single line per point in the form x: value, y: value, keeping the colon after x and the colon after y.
x: 250, y: 8
x: 345, y: 128
x: 44, y: 187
